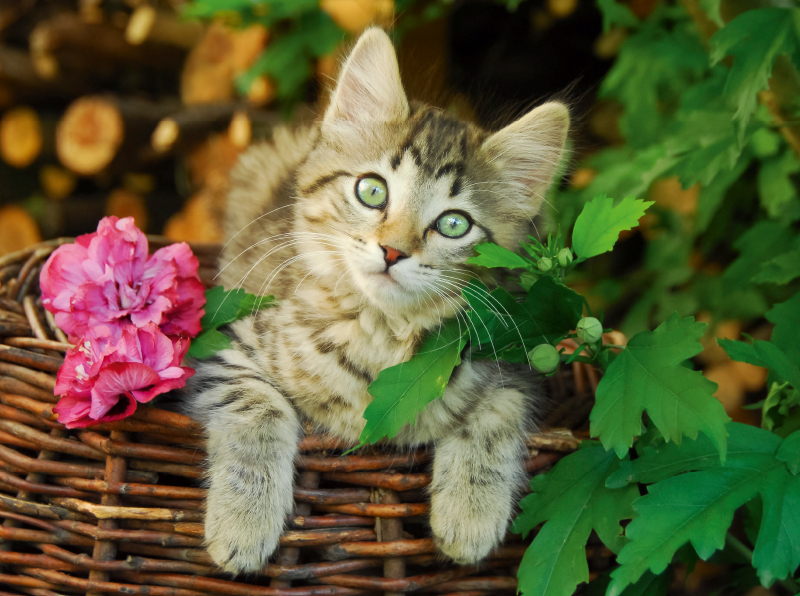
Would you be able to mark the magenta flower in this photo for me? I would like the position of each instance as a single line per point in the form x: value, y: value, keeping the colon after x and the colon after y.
x: 106, y: 278
x: 111, y: 370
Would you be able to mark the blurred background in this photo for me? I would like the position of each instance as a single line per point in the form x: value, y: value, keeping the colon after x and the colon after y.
x: 140, y: 108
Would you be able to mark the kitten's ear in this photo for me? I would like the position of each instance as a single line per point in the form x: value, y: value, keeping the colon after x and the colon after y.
x: 529, y: 150
x: 369, y: 86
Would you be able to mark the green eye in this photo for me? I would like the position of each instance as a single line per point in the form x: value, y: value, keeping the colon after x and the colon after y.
x: 453, y: 224
x: 371, y: 190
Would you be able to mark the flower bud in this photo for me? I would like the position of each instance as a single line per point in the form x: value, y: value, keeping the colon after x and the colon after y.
x: 545, y: 264
x: 544, y: 358
x: 564, y: 257
x: 590, y: 330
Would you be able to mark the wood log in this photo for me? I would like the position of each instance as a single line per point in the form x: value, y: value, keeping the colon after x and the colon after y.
x: 91, y: 11
x: 240, y: 130
x: 19, y: 74
x: 262, y: 91
x: 18, y: 230
x: 97, y: 130
x: 210, y: 164
x: 147, y: 23
x: 11, y: 12
x: 356, y: 15
x: 125, y: 203
x: 217, y: 60
x: 184, y: 130
x: 57, y: 182
x: 20, y: 136
x: 200, y: 220
x: 101, y: 40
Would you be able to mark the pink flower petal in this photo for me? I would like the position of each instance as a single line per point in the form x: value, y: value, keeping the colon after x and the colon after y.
x: 73, y: 411
x: 117, y: 379
x: 166, y: 385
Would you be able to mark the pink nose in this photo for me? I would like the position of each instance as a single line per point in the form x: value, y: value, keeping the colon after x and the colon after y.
x: 392, y: 255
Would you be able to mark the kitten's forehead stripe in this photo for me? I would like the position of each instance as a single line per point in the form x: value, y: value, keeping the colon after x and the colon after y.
x: 324, y: 180
x: 439, y: 146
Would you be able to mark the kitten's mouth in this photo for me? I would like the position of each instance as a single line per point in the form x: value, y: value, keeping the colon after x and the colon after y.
x: 387, y: 276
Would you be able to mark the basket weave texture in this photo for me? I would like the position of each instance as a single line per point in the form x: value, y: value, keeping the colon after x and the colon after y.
x: 118, y: 508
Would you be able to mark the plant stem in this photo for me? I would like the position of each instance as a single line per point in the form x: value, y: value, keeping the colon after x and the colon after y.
x: 741, y: 548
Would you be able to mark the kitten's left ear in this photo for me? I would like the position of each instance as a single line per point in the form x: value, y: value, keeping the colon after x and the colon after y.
x: 529, y: 150
x: 369, y: 87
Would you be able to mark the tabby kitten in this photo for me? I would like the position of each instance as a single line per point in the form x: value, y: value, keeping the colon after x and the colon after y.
x: 361, y: 226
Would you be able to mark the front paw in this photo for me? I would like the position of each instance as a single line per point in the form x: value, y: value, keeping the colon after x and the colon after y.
x: 466, y: 528
x: 240, y: 543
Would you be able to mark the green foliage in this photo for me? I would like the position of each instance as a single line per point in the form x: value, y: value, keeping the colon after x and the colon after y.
x: 782, y: 354
x: 766, y: 354
x: 491, y: 255
x: 600, y: 223
x: 300, y: 32
x: 755, y: 39
x: 572, y: 500
x: 692, y: 497
x: 615, y: 13
x: 507, y: 329
x: 648, y: 375
x: 403, y: 390
x: 222, y: 308
x: 289, y: 59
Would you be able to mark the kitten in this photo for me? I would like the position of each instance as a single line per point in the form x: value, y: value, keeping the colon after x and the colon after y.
x: 361, y: 226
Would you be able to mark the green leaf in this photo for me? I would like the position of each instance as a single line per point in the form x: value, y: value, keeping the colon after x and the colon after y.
x: 208, y: 343
x: 757, y: 245
x: 713, y: 194
x: 615, y: 13
x: 763, y: 353
x: 698, y: 506
x: 775, y: 187
x: 712, y: 10
x: 402, y: 391
x: 647, y: 375
x: 651, y: 73
x: 599, y: 224
x: 289, y: 57
x: 571, y: 499
x: 668, y: 460
x: 251, y: 304
x: 223, y: 307
x: 780, y: 411
x: 786, y: 334
x: 789, y: 452
x: 780, y: 270
x: 755, y: 39
x: 509, y: 329
x: 492, y: 255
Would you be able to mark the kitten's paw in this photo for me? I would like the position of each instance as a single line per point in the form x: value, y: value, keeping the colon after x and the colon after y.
x: 465, y: 533
x: 239, y: 545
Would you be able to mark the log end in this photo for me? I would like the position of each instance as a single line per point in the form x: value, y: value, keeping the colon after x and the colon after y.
x: 20, y: 137
x: 89, y: 135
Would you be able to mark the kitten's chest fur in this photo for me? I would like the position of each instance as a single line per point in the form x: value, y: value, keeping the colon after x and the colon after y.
x: 324, y: 360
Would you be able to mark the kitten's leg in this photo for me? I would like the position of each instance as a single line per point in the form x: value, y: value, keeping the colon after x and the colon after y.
x: 252, y: 441
x: 477, y: 470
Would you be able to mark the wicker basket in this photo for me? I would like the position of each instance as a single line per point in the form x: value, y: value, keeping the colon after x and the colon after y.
x: 118, y: 508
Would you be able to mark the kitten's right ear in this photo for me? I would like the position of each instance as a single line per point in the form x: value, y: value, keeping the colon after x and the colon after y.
x: 369, y: 87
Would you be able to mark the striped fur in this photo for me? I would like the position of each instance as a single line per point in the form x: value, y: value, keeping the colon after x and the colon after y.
x: 298, y: 231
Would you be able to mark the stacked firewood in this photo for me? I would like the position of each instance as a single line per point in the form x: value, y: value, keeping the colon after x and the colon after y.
x: 122, y: 107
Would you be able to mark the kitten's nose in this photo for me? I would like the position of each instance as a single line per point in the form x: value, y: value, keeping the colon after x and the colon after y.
x: 392, y: 255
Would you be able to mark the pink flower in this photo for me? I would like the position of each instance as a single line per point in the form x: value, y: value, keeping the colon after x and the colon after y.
x: 106, y: 278
x: 112, y: 369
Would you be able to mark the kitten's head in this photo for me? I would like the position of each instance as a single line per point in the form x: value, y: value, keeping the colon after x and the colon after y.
x: 407, y: 191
